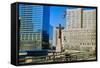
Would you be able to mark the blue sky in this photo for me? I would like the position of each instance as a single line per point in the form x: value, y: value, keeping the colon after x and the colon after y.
x: 56, y: 15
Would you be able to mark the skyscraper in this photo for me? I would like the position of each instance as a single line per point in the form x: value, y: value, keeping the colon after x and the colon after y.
x: 89, y: 19
x: 74, y: 18
x: 33, y: 22
x: 80, y: 33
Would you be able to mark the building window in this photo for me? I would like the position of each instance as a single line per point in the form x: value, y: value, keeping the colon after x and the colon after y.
x: 64, y: 38
x: 87, y: 43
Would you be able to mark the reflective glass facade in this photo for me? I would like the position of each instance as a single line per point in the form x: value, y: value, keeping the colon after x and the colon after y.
x: 34, y: 27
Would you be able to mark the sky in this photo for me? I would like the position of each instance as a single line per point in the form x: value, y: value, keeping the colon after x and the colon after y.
x: 56, y: 16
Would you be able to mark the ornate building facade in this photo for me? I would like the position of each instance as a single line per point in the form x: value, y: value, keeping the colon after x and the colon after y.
x: 80, y: 31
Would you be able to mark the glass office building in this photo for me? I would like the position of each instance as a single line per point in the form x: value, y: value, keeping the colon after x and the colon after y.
x: 34, y: 27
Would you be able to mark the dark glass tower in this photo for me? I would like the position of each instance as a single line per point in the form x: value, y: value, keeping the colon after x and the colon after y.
x: 34, y: 27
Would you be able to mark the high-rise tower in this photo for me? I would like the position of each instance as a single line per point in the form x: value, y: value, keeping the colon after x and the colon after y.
x: 34, y: 27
